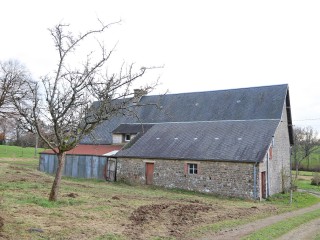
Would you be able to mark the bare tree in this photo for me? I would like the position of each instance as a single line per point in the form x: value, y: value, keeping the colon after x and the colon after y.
x: 306, y: 142
x: 14, y: 79
x: 77, y: 97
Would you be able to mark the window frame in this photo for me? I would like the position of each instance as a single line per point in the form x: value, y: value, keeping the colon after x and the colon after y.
x: 193, y: 168
x: 127, y: 139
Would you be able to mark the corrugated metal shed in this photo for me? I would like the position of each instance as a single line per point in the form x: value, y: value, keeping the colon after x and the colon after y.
x: 84, y: 161
x: 239, y: 140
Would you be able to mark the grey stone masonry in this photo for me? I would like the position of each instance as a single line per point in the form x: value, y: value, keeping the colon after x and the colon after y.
x: 279, y: 163
x: 221, y: 178
x: 276, y: 162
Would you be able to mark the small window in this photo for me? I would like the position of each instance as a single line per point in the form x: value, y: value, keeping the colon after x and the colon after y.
x: 127, y: 137
x: 192, y: 168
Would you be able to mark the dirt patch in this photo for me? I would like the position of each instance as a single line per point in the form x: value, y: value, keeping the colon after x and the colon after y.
x: 161, y: 219
x: 175, y: 219
x: 2, y: 236
x: 305, y: 178
x: 67, y: 183
x: 72, y: 195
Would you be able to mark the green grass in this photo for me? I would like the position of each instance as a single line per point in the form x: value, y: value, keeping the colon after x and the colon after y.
x: 110, y: 236
x: 216, y: 227
x: 18, y: 152
x: 314, y: 160
x: 306, y: 185
x: 303, y: 173
x: 299, y: 200
x: 278, y: 229
x: 44, y: 202
x: 304, y: 181
x: 317, y: 237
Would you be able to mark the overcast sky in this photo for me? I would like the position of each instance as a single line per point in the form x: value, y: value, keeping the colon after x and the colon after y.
x: 203, y: 45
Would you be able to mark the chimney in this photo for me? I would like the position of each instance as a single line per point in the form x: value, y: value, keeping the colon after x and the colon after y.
x: 138, y: 93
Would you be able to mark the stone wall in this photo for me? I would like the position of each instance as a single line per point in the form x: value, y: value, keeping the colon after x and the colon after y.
x: 222, y: 178
x: 279, y: 164
x: 117, y: 138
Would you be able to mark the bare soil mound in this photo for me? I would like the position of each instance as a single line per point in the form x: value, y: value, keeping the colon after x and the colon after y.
x: 171, y: 219
x: 175, y: 219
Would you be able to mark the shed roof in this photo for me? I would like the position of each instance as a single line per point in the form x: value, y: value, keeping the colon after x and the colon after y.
x: 96, y: 150
x: 235, y: 140
x: 234, y: 104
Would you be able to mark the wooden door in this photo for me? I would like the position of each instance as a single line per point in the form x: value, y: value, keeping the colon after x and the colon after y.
x: 149, y: 173
x: 110, y: 170
x: 263, y: 185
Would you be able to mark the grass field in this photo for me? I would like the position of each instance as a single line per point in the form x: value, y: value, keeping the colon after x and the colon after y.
x: 314, y: 160
x: 92, y: 209
x: 18, y: 152
x: 304, y: 181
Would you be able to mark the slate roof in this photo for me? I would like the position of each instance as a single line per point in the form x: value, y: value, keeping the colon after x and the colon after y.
x: 234, y: 104
x: 244, y: 140
x: 132, y: 128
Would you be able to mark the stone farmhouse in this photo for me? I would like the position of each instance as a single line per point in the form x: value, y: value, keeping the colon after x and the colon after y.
x: 229, y: 142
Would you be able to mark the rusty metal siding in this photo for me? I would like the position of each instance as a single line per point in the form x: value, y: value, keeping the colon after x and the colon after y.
x: 79, y: 166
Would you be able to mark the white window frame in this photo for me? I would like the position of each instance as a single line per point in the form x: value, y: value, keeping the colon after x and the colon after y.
x: 127, y: 139
x: 193, y: 168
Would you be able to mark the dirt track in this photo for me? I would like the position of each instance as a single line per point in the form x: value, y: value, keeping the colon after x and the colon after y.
x: 242, y: 231
x: 305, y: 232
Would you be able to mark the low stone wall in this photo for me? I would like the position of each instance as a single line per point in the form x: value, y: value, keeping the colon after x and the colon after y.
x: 222, y: 178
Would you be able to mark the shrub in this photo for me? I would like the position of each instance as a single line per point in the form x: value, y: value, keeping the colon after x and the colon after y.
x: 316, y: 179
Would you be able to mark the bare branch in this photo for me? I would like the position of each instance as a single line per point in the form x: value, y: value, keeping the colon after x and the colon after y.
x: 77, y: 98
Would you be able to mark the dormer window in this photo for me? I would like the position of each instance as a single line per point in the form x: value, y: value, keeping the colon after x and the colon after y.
x: 127, y: 137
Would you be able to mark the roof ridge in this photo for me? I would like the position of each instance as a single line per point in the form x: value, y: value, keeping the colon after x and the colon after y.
x: 219, y: 90
x: 229, y: 120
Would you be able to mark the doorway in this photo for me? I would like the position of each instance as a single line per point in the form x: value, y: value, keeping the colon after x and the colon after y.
x: 263, y: 185
x: 149, y: 173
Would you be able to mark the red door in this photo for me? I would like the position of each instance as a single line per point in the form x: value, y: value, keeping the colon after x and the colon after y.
x: 263, y: 185
x: 149, y: 173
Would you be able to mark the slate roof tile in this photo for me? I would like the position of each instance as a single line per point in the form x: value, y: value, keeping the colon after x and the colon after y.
x: 234, y: 104
x: 244, y: 140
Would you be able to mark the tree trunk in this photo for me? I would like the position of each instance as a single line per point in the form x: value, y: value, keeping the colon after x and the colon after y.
x: 56, y: 183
